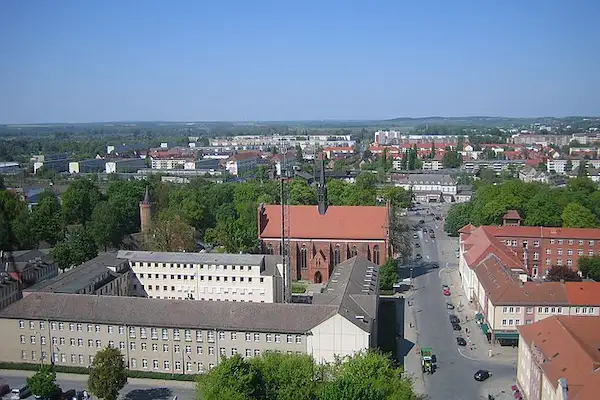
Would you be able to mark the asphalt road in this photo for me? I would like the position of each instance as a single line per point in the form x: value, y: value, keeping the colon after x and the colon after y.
x: 153, y: 390
x: 453, y: 379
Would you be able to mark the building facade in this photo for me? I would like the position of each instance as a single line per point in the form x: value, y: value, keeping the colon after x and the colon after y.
x: 558, y: 359
x: 242, y: 162
x: 320, y: 241
x: 124, y: 165
x: 205, y: 276
x: 494, y: 277
x: 428, y: 187
x: 179, y: 336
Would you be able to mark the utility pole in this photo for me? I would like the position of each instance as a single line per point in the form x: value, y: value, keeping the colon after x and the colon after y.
x: 285, y: 223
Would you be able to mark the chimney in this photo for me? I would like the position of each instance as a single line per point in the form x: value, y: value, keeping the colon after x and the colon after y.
x: 322, y: 190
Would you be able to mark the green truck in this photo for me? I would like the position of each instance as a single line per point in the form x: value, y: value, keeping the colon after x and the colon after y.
x: 427, y: 360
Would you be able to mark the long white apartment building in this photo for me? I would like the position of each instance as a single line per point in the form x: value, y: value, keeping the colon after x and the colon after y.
x: 206, y: 276
x: 291, y: 141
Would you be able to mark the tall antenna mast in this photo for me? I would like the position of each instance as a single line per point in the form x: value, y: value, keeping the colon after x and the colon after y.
x: 285, y: 223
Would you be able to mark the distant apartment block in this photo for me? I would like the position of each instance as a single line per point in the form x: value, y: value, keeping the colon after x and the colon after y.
x: 432, y: 165
x: 206, y: 276
x: 290, y: 141
x: 242, y: 162
x: 387, y: 137
x: 54, y: 162
x: 9, y: 168
x: 498, y: 166
x: 124, y: 165
x: 91, y: 166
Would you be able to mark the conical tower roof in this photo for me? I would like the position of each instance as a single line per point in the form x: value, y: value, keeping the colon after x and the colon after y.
x: 147, y: 199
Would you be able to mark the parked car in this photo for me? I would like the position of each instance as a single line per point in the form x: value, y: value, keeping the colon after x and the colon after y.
x: 417, y: 244
x: 424, y: 230
x: 450, y: 306
x: 444, y: 287
x: 432, y: 234
x: 461, y: 341
x: 482, y: 375
x: 69, y: 394
x: 415, y: 236
x: 418, y: 256
x: 456, y: 327
x: 447, y: 292
x: 20, y: 393
x: 454, y: 319
x: 421, y: 221
x: 4, y: 389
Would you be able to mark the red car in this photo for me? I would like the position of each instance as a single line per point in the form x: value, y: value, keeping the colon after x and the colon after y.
x: 446, y: 292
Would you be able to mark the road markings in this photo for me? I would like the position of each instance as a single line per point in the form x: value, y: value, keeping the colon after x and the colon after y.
x: 466, y: 356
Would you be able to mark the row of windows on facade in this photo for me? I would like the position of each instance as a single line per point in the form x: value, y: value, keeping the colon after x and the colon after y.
x: 133, y: 364
x: 226, y: 290
x: 536, y: 243
x: 559, y: 252
x: 187, y: 333
x: 202, y: 278
x: 143, y: 345
x: 546, y: 310
x: 190, y: 296
x: 191, y: 266
x: 303, y: 259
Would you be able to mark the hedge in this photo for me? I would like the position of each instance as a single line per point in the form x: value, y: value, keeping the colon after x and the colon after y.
x: 84, y: 371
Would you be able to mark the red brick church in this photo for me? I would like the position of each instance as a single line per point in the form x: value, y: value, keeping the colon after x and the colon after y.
x: 322, y: 236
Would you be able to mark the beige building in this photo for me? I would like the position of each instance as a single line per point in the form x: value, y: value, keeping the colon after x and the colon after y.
x: 493, y: 277
x: 206, y: 276
x: 558, y: 359
x: 102, y: 275
x: 179, y: 336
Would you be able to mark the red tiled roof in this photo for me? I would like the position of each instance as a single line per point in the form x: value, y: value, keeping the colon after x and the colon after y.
x: 504, y: 287
x: 512, y: 214
x: 569, y: 347
x: 339, y: 222
x: 583, y: 293
x: 334, y: 149
x: 481, y: 244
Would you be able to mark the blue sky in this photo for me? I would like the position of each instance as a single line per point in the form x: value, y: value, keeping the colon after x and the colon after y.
x: 123, y: 60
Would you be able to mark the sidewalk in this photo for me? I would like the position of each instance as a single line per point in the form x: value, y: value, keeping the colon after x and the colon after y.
x: 83, y: 378
x: 478, y: 346
x: 412, y: 360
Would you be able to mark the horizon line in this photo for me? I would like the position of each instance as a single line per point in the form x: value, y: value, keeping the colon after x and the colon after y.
x: 327, y: 120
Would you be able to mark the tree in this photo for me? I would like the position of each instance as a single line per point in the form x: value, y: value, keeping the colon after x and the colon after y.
x: 388, y: 274
x: 169, y: 232
x: 575, y: 215
x: 302, y: 194
x: 347, y: 388
x: 79, y: 201
x: 108, y: 374
x: 582, y: 169
x: 458, y: 216
x: 451, y: 159
x: 47, y: 222
x: 104, y: 226
x: 561, y: 272
x: 589, y: 267
x: 543, y: 209
x: 76, y: 249
x: 43, y: 382
x: 569, y: 166
x: 397, y: 196
x: 287, y: 376
x: 299, y: 154
x: 242, y: 379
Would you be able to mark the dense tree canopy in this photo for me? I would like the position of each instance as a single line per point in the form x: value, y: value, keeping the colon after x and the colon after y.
x: 562, y: 273
x: 576, y: 206
x: 108, y: 374
x: 276, y: 376
x: 589, y: 267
